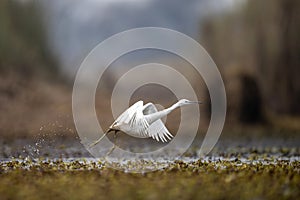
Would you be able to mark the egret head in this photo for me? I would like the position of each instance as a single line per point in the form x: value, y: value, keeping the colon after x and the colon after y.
x: 183, y: 102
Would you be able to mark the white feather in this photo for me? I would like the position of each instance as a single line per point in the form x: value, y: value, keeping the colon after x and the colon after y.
x: 144, y: 121
x: 157, y: 130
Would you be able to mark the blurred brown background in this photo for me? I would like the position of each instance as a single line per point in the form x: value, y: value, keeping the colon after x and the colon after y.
x: 254, y: 43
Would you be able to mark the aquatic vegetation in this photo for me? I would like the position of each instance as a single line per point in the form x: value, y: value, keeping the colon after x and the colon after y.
x: 67, y: 172
x: 208, y: 178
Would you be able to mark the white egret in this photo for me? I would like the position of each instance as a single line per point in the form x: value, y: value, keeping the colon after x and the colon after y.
x: 144, y: 121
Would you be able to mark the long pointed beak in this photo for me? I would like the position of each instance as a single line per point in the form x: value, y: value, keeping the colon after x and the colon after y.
x: 196, y: 102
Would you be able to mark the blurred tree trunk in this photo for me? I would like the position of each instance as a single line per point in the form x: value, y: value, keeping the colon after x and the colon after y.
x: 287, y: 82
x: 263, y: 38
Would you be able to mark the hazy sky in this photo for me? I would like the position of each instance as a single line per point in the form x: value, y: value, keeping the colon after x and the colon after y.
x: 76, y: 26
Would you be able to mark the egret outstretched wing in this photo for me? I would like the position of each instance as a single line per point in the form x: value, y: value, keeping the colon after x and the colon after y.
x: 134, y: 118
x: 127, y: 115
x: 157, y: 130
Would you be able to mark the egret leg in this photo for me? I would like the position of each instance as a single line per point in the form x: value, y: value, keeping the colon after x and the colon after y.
x: 97, y: 141
x: 114, y: 146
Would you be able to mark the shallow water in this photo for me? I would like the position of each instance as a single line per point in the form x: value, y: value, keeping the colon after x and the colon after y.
x: 66, y: 153
x: 61, y: 147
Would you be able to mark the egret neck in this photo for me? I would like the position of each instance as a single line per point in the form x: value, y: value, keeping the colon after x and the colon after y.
x: 160, y: 114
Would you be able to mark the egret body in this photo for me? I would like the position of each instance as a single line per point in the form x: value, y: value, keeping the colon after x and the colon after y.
x: 144, y: 121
